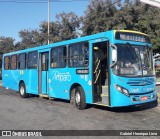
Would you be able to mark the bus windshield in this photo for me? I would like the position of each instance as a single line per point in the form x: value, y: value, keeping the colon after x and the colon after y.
x: 133, y: 60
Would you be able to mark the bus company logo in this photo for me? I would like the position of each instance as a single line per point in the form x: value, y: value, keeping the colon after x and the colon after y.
x: 62, y: 77
x: 148, y: 89
x: 6, y: 133
x: 134, y: 90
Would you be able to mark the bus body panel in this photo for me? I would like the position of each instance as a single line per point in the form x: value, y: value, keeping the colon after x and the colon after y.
x: 136, y: 91
x: 31, y: 81
x: 145, y: 86
x: 29, y: 77
x: 61, y: 80
x: 10, y: 79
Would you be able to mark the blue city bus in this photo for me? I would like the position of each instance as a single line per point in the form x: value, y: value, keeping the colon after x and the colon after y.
x: 112, y: 68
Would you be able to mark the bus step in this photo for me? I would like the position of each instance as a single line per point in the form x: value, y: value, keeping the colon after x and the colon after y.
x: 105, y: 99
x: 99, y: 103
x: 43, y: 96
x: 104, y: 95
x: 104, y: 89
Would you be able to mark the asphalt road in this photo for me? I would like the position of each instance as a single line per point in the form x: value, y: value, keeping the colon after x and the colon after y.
x: 36, y: 113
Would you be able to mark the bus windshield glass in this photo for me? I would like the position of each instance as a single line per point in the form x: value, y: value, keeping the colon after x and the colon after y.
x: 133, y: 60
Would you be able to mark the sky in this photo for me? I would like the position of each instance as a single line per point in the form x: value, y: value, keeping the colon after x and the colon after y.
x: 15, y: 17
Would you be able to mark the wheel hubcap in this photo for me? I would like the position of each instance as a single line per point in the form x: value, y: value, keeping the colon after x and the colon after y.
x: 78, y: 98
x: 22, y: 90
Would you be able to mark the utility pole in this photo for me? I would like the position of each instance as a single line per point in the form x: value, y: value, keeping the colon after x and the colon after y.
x: 48, y: 21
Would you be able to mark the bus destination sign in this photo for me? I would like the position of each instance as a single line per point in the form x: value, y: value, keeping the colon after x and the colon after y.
x: 132, y: 37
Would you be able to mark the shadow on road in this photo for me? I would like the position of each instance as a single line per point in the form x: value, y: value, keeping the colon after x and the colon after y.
x: 126, y: 109
x: 116, y: 109
x: 51, y: 99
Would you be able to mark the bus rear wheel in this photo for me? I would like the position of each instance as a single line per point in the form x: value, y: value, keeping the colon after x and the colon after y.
x: 22, y: 91
x: 80, y: 100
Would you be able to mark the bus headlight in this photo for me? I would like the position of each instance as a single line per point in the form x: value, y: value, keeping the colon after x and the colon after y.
x: 122, y: 90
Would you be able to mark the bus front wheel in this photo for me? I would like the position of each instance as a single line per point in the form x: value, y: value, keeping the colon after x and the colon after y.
x: 22, y: 91
x: 80, y: 99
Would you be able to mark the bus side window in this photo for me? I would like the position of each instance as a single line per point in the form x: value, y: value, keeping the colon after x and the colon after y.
x: 58, y: 57
x: 86, y: 54
x: 6, y: 62
x: 14, y: 62
x: 32, y: 60
x: 22, y: 61
x: 79, y: 55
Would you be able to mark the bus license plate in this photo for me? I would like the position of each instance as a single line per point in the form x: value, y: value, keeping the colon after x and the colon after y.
x: 144, y: 98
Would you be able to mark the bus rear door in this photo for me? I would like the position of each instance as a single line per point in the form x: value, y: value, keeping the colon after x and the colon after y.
x: 43, y: 73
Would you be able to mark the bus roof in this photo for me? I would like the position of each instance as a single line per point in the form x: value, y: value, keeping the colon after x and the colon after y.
x: 72, y: 41
x: 76, y: 40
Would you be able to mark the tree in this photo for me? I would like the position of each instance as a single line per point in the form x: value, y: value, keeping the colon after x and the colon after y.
x: 69, y: 24
x: 142, y: 17
x: 102, y: 15
x: 99, y: 16
x: 30, y: 38
x: 6, y: 46
x: 65, y: 27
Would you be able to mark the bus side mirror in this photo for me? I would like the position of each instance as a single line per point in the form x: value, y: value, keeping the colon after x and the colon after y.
x: 114, y: 55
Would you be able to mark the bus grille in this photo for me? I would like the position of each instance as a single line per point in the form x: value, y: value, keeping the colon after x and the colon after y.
x: 140, y: 82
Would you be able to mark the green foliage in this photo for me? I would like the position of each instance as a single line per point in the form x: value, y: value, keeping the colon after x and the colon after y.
x: 102, y: 15
x: 64, y: 28
x: 30, y: 38
x: 68, y: 25
x: 6, y: 45
x: 99, y: 17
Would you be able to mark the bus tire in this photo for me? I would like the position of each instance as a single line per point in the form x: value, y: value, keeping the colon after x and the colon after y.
x: 80, y: 99
x: 22, y: 91
x: 72, y: 100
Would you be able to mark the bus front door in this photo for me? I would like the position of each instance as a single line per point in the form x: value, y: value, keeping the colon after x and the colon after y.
x: 43, y: 73
x: 100, y: 73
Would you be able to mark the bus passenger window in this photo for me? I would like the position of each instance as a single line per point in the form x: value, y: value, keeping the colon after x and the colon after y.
x: 14, y: 62
x: 6, y: 62
x: 22, y: 61
x: 79, y: 55
x: 32, y: 60
x: 58, y: 57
